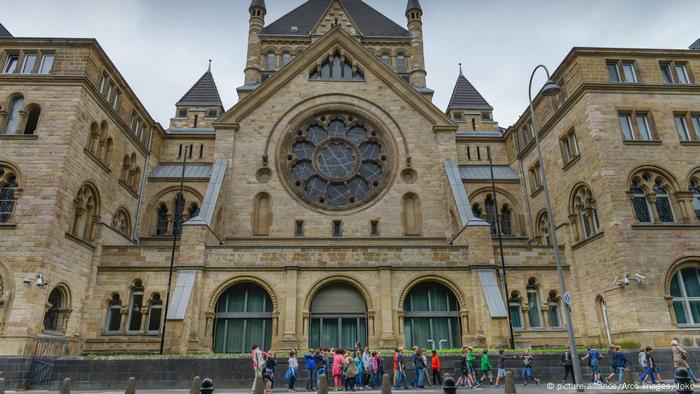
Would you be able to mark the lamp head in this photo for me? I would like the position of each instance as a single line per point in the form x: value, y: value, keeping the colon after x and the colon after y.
x: 550, y: 88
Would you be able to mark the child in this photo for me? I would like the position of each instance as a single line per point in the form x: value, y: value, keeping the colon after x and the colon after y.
x: 351, y: 372
x: 292, y: 370
x: 471, y: 377
x: 269, y: 375
x: 486, y: 367
x: 501, y: 366
x: 337, y: 368
x: 435, y: 364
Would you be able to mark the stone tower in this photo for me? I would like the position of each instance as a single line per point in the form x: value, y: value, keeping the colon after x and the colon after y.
x: 256, y: 23
x: 414, y: 13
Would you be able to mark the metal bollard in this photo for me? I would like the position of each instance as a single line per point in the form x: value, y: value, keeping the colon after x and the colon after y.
x: 682, y: 379
x: 449, y: 386
x: 509, y: 383
x: 323, y: 384
x: 386, y: 384
x: 207, y: 386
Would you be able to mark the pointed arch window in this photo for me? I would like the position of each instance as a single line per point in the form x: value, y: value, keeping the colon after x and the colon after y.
x: 179, y: 210
x: 162, y: 219
x: 543, y: 229
x: 8, y: 194
x: 412, y: 217
x: 490, y: 213
x: 114, y: 314
x: 695, y: 190
x: 33, y: 113
x: 193, y: 210
x: 336, y: 68
x: 14, y: 115
x: 87, y: 210
x: 663, y: 204
x: 642, y: 209
x: 533, y: 301
x: 135, y: 305
x: 122, y: 222
x: 155, y: 313
x: 506, y: 224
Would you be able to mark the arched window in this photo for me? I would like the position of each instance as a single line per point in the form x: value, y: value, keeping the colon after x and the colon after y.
x: 13, y: 117
x: 553, y: 312
x: 8, y: 194
x: 534, y: 313
x: 685, y: 290
x: 490, y: 212
x: 243, y: 318
x: 696, y: 199
x: 386, y: 59
x: 179, y: 211
x: 135, y: 179
x: 286, y: 58
x: 87, y: 211
x: 114, y: 314
x: 338, y: 318
x: 107, y: 155
x: 94, y: 139
x: 476, y: 210
x: 411, y: 214
x: 193, y: 210
x: 642, y: 209
x: 506, y: 226
x: 515, y: 310
x: 400, y: 64
x: 57, y: 310
x: 336, y: 68
x: 122, y: 222
x: 155, y: 312
x: 162, y: 219
x: 270, y: 61
x: 663, y: 204
x: 431, y: 317
x: 262, y: 214
x: 135, y: 305
x: 126, y: 167
x: 584, y: 210
x: 543, y: 229
x: 33, y: 112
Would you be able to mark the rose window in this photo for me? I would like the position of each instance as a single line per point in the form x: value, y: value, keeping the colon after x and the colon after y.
x: 336, y: 161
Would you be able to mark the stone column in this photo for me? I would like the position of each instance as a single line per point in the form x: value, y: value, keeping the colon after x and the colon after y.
x: 289, y: 337
x: 386, y: 319
x: 3, y: 118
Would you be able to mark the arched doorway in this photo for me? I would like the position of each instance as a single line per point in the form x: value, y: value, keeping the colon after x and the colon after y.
x: 338, y: 317
x: 431, y: 317
x: 243, y: 318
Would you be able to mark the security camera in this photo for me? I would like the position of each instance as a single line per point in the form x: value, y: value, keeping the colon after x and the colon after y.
x: 40, y: 282
x: 639, y: 277
x: 27, y: 281
x: 626, y: 279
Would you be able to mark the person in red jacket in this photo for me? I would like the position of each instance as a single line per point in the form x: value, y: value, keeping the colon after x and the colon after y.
x: 435, y: 364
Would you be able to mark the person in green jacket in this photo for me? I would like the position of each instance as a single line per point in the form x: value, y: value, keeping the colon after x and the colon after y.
x: 486, y: 367
x: 470, y: 367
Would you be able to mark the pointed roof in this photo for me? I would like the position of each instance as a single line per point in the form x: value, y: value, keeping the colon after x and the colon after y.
x: 4, y: 32
x: 203, y: 92
x: 370, y: 22
x: 257, y: 3
x: 465, y: 95
x: 413, y: 5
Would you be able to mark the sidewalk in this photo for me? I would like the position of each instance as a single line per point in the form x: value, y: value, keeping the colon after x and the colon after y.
x: 530, y: 389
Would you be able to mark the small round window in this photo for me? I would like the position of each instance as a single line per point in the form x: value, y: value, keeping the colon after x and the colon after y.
x: 336, y: 161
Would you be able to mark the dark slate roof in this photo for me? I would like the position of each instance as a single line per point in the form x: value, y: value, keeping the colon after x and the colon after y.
x: 174, y: 171
x: 203, y: 92
x: 370, y: 22
x: 694, y: 46
x: 465, y: 96
x: 413, y: 5
x: 483, y: 173
x: 4, y: 32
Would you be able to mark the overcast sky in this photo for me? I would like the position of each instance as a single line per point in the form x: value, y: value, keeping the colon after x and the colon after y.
x: 162, y: 47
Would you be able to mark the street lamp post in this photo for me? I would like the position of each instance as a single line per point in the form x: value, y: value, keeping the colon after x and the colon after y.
x: 552, y: 89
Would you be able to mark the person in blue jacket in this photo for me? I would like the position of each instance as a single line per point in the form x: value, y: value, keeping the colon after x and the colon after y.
x: 310, y: 369
x: 620, y: 364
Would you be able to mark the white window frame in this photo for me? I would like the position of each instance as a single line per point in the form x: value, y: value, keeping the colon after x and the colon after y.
x: 10, y: 66
x: 25, y: 59
x: 534, y: 290
x: 681, y: 123
x: 630, y: 66
x: 45, y: 56
x: 684, y: 78
x: 686, y: 300
x: 520, y: 312
x: 134, y: 293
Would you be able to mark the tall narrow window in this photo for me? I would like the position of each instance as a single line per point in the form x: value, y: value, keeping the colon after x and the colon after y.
x: 543, y: 228
x: 193, y: 210
x: 154, y: 313
x: 286, y: 58
x: 533, y: 301
x: 29, y: 63
x: 553, y: 314
x: 667, y: 72
x: 179, y: 211
x: 490, y: 213
x: 613, y: 72
x: 10, y: 64
x: 643, y: 124
x: 629, y: 73
x: 374, y: 228
x: 682, y: 127
x: 515, y: 311
x: 506, y: 221
x: 337, y: 228
x: 13, y: 116
x: 682, y: 74
x: 695, y: 120
x: 162, y: 220
x: 262, y: 214
x: 32, y: 119
x: 626, y: 127
x: 114, y: 314
x: 642, y: 210
x: 299, y: 228
x: 663, y: 204
x: 8, y: 187
x: 696, y: 199
x: 386, y: 60
x: 270, y: 60
x: 400, y: 64
x: 135, y: 304
x: 46, y: 63
x: 411, y: 215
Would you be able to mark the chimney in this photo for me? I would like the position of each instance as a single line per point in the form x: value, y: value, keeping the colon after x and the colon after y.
x: 696, y: 45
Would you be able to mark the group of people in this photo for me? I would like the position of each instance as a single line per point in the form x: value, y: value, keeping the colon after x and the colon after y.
x: 467, y: 362
x: 419, y: 359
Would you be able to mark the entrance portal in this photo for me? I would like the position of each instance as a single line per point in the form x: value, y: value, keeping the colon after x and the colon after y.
x: 243, y: 318
x: 338, y: 318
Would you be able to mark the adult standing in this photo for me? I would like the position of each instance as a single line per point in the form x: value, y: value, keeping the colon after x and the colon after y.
x: 420, y: 369
x: 680, y: 359
x: 258, y: 364
x: 426, y: 374
x: 366, y: 367
x: 435, y: 364
x: 310, y: 369
x: 568, y: 364
x: 292, y: 370
x: 527, y: 368
x: 351, y: 372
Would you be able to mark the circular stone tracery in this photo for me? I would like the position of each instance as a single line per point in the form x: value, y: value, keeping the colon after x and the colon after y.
x: 336, y: 161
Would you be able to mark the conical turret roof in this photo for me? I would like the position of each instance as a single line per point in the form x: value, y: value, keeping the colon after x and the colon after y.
x: 465, y: 95
x: 202, y: 93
